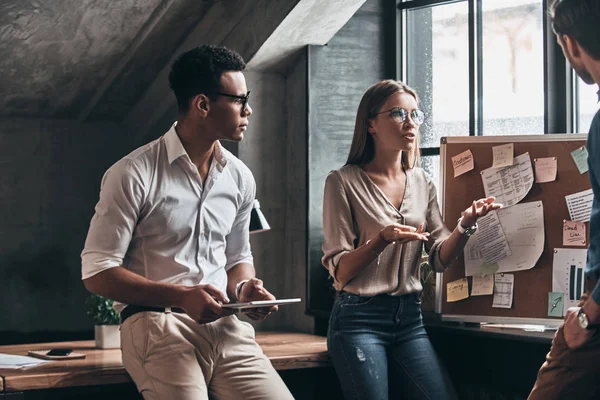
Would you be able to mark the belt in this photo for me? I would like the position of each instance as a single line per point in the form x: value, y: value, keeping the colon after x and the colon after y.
x: 131, y: 310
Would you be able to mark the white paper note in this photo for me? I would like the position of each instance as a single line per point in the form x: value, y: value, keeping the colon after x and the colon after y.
x: 545, y: 169
x: 503, y: 290
x: 503, y: 155
x: 483, y: 285
x: 509, y: 185
x: 523, y: 226
x: 568, y: 275
x: 580, y: 205
x: 462, y: 163
x: 492, y: 242
x: 12, y: 361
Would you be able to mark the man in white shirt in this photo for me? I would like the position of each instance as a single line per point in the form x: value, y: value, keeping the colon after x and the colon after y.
x: 169, y: 242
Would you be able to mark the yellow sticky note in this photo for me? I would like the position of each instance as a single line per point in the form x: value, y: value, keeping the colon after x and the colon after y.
x: 545, y: 169
x: 503, y: 155
x: 574, y: 233
x: 462, y: 163
x: 457, y: 290
x: 483, y: 285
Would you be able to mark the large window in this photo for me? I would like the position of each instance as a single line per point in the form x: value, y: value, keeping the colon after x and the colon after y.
x: 480, y: 68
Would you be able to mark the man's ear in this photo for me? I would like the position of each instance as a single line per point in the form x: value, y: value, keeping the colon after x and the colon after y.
x: 572, y: 46
x: 201, y: 103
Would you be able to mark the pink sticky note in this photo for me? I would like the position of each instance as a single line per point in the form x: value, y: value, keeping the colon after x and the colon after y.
x: 574, y: 233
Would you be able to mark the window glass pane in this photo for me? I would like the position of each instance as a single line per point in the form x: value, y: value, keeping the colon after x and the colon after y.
x: 513, y: 65
x: 587, y: 104
x: 431, y: 165
x: 437, y: 66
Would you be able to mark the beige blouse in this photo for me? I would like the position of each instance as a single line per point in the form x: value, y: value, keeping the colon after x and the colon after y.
x: 355, y: 210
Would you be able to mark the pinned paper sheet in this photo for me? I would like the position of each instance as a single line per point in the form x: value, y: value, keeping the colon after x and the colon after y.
x: 462, y: 163
x: 509, y: 185
x: 503, y: 155
x: 483, y: 285
x: 503, y: 290
x: 545, y: 169
x: 457, y: 290
x: 573, y: 233
x: 580, y: 157
x: 556, y: 304
x: 523, y: 226
x: 491, y: 239
x: 580, y: 205
x: 568, y: 276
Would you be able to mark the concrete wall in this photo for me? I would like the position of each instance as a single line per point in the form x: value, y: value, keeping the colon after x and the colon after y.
x: 51, y: 172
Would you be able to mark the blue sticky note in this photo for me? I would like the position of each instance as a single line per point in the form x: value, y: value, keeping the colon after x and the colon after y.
x: 580, y: 157
x: 556, y: 302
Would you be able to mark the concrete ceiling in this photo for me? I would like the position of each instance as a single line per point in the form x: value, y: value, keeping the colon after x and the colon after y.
x: 107, y: 59
x: 73, y: 59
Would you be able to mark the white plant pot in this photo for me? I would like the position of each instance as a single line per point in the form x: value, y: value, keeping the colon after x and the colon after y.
x: 107, y: 336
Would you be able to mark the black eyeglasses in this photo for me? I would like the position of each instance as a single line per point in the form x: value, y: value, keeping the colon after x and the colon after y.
x: 243, y: 99
x: 399, y: 115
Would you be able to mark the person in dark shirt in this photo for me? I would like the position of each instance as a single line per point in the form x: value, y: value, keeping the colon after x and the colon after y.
x: 572, y: 368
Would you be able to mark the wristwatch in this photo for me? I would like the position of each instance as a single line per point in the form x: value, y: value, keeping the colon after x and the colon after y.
x: 466, y: 231
x: 583, y: 319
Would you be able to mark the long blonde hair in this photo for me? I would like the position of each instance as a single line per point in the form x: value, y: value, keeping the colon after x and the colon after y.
x: 362, y: 149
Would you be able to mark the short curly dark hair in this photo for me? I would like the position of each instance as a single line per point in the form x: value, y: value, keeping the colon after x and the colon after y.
x: 199, y: 71
x: 578, y: 19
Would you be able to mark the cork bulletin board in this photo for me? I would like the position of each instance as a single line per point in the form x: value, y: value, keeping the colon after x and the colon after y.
x: 531, y: 287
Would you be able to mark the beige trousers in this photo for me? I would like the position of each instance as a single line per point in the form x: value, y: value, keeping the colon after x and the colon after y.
x: 169, y: 356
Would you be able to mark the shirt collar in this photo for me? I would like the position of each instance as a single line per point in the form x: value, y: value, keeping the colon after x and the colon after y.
x: 598, y: 93
x: 175, y: 148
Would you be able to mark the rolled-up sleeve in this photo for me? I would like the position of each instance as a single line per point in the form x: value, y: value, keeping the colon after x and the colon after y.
x: 337, y: 223
x: 437, y: 230
x: 238, y: 240
x: 121, y: 197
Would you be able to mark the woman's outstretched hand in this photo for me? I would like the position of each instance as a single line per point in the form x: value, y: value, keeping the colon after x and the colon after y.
x: 403, y: 233
x: 479, y: 208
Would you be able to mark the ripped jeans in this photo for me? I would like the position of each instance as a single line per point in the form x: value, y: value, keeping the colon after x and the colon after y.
x: 380, y: 349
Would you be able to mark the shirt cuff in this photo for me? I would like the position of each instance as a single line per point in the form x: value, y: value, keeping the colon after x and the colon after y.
x: 596, y: 293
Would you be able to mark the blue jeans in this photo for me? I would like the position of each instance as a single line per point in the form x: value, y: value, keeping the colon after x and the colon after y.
x: 380, y: 349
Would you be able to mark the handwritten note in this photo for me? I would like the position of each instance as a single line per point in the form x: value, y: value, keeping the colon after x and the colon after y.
x: 483, y: 285
x: 462, y: 163
x: 503, y: 290
x: 580, y: 157
x: 545, y: 169
x: 457, y: 290
x: 580, y: 205
x: 503, y: 155
x: 573, y: 233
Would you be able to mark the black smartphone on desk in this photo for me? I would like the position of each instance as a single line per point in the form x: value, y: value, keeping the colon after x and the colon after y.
x: 59, y: 352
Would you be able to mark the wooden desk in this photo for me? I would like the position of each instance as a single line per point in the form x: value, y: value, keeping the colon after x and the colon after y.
x: 104, y: 367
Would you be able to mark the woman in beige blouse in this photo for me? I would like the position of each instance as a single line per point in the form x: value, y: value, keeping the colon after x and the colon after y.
x: 378, y: 212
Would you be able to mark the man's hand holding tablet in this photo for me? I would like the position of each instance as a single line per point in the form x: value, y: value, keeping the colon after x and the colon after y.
x: 254, y: 292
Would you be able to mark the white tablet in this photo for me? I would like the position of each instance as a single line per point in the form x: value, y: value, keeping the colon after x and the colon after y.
x: 261, y: 303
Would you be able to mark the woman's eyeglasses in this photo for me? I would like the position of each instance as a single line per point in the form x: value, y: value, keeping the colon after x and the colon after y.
x: 399, y: 115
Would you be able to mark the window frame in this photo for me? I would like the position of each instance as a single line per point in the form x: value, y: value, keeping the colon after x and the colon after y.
x: 560, y: 89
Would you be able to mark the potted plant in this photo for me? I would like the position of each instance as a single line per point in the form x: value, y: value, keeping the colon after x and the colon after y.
x: 106, y: 320
x: 427, y: 276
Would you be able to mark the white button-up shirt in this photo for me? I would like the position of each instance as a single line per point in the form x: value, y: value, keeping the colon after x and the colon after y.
x: 156, y: 219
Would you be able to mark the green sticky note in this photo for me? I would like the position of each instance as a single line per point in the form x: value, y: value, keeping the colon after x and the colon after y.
x: 580, y: 157
x: 556, y: 302
x: 488, y: 269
